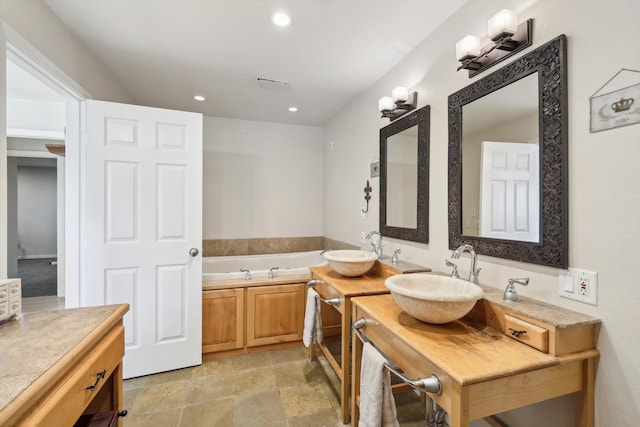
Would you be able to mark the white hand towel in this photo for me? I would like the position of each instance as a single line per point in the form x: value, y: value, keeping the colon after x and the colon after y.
x: 377, y: 405
x: 312, y: 332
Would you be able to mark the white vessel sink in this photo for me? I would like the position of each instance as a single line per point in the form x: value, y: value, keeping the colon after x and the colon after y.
x: 350, y: 263
x: 433, y: 298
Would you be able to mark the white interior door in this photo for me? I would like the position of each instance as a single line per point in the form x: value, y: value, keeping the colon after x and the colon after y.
x: 143, y: 215
x: 509, y: 201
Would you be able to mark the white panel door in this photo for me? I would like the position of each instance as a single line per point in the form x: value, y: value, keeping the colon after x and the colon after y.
x: 142, y: 216
x: 509, y: 201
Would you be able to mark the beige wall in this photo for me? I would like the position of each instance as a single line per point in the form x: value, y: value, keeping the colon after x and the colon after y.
x: 261, y: 179
x: 604, y: 194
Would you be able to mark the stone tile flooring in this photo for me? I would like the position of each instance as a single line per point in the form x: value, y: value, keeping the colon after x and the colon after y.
x: 276, y: 388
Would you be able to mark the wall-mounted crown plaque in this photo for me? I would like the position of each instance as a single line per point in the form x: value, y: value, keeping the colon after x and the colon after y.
x: 618, y: 107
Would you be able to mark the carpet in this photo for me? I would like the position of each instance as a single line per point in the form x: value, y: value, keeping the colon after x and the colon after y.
x: 39, y: 277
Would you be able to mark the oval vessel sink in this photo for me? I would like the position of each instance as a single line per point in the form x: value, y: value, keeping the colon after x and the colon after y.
x: 350, y: 263
x: 433, y: 298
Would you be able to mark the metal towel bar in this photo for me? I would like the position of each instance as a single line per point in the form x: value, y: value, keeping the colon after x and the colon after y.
x: 331, y: 301
x: 430, y: 384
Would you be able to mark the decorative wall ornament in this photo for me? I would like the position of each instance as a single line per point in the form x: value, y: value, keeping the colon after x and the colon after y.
x: 617, y: 108
x: 367, y: 196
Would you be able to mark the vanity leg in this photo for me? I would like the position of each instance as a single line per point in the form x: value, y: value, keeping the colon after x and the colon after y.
x: 117, y: 392
x: 356, y: 362
x: 459, y: 413
x: 312, y: 352
x: 585, y: 398
x: 345, y: 360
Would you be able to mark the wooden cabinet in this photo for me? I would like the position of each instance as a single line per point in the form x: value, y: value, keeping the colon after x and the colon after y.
x: 59, y: 365
x: 222, y: 320
x: 275, y: 314
x: 249, y: 319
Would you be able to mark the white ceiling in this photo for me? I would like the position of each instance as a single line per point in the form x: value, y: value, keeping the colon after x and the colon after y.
x: 165, y: 51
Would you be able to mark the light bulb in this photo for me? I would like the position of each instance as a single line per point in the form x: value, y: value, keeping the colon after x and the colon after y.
x: 468, y: 47
x: 400, y: 95
x: 503, y: 23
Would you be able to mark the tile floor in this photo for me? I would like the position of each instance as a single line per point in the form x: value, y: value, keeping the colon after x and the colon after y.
x: 276, y: 388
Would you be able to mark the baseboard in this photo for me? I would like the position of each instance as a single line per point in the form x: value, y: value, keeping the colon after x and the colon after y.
x: 37, y: 256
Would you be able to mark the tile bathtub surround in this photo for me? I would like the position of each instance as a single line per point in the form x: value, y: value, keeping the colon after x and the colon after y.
x: 276, y: 388
x: 257, y: 246
x: 279, y: 245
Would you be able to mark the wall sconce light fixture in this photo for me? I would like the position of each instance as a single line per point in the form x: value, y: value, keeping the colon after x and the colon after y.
x: 507, y: 37
x: 399, y: 103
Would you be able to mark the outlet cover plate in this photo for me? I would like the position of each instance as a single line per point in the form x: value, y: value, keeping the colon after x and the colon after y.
x: 579, y: 285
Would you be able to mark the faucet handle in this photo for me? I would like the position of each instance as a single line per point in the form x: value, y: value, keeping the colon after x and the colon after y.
x: 454, y: 273
x: 394, y: 259
x: 510, y: 293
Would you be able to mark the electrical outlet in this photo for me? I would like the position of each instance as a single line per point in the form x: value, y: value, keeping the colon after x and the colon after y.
x: 579, y: 285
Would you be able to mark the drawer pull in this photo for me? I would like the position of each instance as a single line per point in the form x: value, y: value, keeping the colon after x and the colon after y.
x: 100, y: 375
x: 517, y: 333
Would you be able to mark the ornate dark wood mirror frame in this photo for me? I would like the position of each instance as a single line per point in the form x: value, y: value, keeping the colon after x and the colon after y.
x: 549, y: 60
x: 420, y: 118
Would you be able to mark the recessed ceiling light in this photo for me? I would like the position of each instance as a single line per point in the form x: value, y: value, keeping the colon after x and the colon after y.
x: 293, y: 109
x: 199, y: 98
x: 281, y: 19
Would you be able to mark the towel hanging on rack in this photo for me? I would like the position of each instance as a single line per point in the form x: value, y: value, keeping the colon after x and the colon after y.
x: 377, y: 405
x: 312, y: 332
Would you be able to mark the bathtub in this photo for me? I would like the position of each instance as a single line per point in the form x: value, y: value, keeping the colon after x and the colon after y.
x: 228, y: 267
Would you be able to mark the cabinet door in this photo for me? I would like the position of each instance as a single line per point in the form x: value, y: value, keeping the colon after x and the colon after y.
x: 222, y: 320
x: 275, y: 314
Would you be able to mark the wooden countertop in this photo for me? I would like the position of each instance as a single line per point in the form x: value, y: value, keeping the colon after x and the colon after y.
x: 371, y: 282
x: 467, y: 351
x: 38, y: 348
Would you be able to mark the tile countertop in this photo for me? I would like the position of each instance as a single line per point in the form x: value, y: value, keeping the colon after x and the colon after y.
x: 554, y: 315
x: 36, y: 347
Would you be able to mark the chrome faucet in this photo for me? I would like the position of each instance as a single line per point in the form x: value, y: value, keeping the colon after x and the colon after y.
x: 473, y: 272
x: 270, y: 275
x: 247, y: 274
x: 376, y: 248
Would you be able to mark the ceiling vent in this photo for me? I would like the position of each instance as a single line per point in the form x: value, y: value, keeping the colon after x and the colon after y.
x: 271, y: 84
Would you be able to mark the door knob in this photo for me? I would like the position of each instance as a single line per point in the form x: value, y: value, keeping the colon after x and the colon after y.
x: 193, y: 252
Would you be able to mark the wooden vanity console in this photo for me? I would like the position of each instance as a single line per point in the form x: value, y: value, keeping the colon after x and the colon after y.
x: 58, y: 365
x: 484, y: 368
x: 333, y: 285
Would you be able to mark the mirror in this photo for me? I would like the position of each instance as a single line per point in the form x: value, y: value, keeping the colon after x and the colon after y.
x: 508, y: 160
x: 404, y: 175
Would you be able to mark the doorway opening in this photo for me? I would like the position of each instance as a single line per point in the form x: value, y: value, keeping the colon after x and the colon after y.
x: 43, y: 116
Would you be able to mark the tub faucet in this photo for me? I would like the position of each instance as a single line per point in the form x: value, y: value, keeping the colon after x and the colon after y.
x: 473, y: 272
x: 270, y: 275
x: 247, y: 274
x: 376, y: 248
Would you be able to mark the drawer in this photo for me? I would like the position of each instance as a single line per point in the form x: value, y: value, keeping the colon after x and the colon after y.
x: 4, y: 292
x: 527, y: 333
x: 14, y: 290
x: 67, y: 399
x: 4, y: 309
x: 15, y: 306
